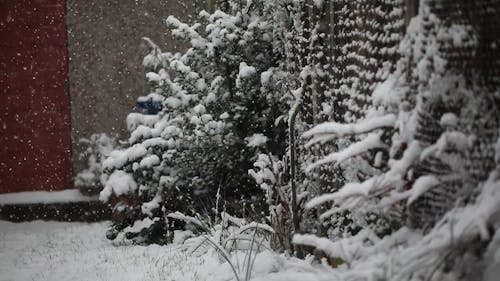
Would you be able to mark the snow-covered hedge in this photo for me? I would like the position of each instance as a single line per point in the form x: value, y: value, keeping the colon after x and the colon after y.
x: 432, y: 132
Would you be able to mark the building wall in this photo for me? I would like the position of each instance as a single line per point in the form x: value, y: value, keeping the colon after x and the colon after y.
x: 34, y: 101
x: 105, y: 59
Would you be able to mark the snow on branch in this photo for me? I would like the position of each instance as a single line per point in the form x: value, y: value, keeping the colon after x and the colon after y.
x: 456, y: 140
x: 180, y: 216
x: 118, y: 158
x: 460, y: 226
x: 411, y: 252
x: 333, y: 130
x: 399, y: 168
x: 135, y: 119
x: 348, y: 190
x: 148, y: 207
x: 187, y: 33
x: 119, y: 183
x: 255, y: 226
x: 350, y: 194
x: 152, y: 45
x: 372, y: 141
x: 154, y: 59
x: 347, y: 249
x: 234, y: 220
x: 420, y: 186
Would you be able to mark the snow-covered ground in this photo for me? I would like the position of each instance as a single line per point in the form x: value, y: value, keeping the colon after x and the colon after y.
x: 78, y: 251
x: 34, y: 197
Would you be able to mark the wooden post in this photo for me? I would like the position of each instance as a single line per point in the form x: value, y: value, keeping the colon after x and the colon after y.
x: 411, y: 10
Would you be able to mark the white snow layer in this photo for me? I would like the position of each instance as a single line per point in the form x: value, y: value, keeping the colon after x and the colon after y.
x: 135, y: 119
x: 119, y: 183
x: 265, y: 77
x: 256, y: 140
x: 149, y: 161
x: 348, y: 190
x: 420, y: 186
x: 46, y: 251
x: 118, y: 158
x: 46, y: 197
x: 331, y: 130
x: 318, y: 3
x: 372, y: 141
x: 246, y: 71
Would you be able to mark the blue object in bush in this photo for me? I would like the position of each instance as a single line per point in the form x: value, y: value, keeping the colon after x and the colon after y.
x: 149, y: 105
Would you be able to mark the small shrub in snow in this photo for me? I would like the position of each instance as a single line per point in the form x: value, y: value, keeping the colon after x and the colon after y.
x: 269, y: 173
x: 231, y: 239
x: 91, y: 180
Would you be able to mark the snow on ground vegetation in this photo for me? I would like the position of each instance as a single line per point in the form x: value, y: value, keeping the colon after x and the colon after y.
x: 76, y: 251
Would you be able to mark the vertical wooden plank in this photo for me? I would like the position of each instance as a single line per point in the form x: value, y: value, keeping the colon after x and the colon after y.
x: 411, y: 10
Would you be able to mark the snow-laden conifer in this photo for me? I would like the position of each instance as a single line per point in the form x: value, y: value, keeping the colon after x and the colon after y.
x: 219, y: 112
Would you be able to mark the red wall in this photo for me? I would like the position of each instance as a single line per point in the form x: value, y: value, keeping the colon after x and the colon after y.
x: 34, y: 99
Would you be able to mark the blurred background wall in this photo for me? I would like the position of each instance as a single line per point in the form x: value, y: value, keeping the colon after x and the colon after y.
x: 105, y: 59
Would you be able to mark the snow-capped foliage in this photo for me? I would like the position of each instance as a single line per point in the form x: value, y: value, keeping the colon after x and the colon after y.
x: 269, y: 172
x: 99, y: 146
x: 215, y: 120
x: 381, y: 143
x: 438, y: 176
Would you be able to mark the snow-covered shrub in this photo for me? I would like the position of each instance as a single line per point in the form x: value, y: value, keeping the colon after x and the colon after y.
x: 219, y: 112
x: 269, y: 173
x: 91, y: 180
x: 432, y: 133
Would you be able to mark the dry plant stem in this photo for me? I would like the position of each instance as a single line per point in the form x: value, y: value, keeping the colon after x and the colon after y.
x: 295, y: 212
